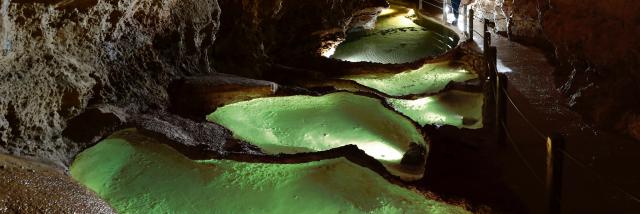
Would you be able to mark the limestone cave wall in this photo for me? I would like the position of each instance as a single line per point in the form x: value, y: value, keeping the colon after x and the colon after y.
x: 58, y: 57
x: 61, y: 59
x: 255, y: 34
x: 595, y: 45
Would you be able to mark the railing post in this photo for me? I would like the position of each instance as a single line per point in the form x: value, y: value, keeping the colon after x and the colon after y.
x: 487, y: 41
x: 484, y: 26
x: 420, y: 4
x: 444, y: 11
x: 501, y: 106
x: 555, y: 144
x: 499, y: 83
x: 471, y: 14
x: 464, y: 14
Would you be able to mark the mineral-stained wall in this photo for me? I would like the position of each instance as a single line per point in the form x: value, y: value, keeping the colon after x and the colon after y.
x: 595, y: 44
x: 57, y: 57
x: 257, y: 33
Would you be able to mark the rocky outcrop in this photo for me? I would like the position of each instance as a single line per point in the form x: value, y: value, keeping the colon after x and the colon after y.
x: 197, y: 96
x: 197, y: 140
x: 57, y: 57
x: 258, y: 33
x: 594, y: 43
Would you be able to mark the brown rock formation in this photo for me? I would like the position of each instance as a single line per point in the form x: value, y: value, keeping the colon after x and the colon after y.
x: 257, y: 33
x: 198, y: 96
x: 595, y: 45
x: 58, y: 57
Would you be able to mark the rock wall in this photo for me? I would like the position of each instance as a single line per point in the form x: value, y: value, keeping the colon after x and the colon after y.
x: 596, y: 42
x: 257, y: 33
x: 58, y: 57
x: 595, y: 45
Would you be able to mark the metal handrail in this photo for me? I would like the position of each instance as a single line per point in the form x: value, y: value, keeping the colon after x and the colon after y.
x: 537, y: 131
x: 520, y: 155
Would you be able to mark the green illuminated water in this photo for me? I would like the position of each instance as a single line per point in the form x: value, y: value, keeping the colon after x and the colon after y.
x: 430, y: 78
x: 139, y: 176
x: 396, y: 39
x: 456, y: 108
x: 297, y: 124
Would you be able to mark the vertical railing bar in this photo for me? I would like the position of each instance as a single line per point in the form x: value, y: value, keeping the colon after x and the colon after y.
x: 555, y: 163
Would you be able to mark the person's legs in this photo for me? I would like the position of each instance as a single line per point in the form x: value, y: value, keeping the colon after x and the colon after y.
x: 455, y: 6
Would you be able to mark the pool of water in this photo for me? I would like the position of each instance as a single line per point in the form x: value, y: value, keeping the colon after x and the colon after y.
x: 135, y: 174
x: 397, y: 38
x: 296, y: 124
x: 430, y: 78
x: 456, y: 108
x: 141, y: 176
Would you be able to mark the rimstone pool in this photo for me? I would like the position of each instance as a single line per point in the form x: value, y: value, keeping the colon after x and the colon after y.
x: 397, y: 38
x: 145, y: 177
x: 136, y: 174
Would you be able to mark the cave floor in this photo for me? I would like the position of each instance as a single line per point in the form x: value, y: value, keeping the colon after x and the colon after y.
x: 532, y: 88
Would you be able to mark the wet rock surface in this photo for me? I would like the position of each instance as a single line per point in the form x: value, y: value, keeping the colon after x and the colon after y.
x: 32, y: 187
x: 594, y: 46
x: 198, y: 140
x: 199, y: 95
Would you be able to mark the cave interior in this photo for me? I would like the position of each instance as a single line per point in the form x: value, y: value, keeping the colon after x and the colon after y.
x: 325, y: 106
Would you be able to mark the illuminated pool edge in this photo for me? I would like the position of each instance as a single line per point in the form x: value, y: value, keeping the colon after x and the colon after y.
x: 129, y: 176
x: 261, y: 128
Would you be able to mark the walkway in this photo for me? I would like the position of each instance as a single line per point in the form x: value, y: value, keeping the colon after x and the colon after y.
x: 612, y: 157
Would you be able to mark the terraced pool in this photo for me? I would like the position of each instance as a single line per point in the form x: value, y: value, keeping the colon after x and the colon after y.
x: 430, y: 78
x: 297, y: 124
x: 396, y: 38
x: 141, y: 176
x: 456, y: 108
x: 135, y: 174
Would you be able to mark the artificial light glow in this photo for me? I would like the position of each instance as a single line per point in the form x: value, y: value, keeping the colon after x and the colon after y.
x: 381, y: 151
x: 328, y: 53
x: 502, y: 68
x: 404, y: 21
x: 419, y: 103
x: 411, y: 13
x: 387, y: 11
